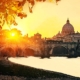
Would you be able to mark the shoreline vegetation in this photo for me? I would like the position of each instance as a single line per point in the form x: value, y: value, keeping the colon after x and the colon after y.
x: 13, y: 71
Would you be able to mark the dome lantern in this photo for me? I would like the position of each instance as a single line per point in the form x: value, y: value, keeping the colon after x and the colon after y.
x: 67, y: 20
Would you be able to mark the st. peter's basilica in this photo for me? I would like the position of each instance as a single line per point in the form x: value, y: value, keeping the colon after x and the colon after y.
x: 67, y: 34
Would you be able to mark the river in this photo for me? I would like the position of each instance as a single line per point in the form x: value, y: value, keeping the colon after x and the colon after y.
x: 59, y: 64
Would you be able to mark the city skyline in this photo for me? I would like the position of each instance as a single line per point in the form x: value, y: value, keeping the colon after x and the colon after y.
x: 48, y: 18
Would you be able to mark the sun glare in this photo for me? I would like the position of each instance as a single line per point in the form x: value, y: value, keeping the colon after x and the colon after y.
x: 12, y: 34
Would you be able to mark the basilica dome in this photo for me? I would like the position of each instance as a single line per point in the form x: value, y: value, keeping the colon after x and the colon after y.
x: 67, y: 28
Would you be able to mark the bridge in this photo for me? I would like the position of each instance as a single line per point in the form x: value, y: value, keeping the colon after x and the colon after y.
x: 60, y: 48
x: 49, y: 47
x: 19, y: 50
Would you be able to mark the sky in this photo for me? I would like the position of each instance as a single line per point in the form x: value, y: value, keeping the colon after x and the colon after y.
x: 48, y: 18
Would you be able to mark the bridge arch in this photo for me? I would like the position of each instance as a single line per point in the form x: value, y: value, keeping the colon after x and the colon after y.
x: 7, y: 52
x: 59, y: 51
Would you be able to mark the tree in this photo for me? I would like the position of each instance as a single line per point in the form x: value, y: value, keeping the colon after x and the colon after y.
x: 10, y: 9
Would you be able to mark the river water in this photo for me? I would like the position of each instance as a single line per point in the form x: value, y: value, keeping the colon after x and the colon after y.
x: 59, y: 64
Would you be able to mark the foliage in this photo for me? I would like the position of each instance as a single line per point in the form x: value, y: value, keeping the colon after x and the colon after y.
x: 10, y: 9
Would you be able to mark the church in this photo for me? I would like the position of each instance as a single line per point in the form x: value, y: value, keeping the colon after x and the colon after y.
x: 67, y: 34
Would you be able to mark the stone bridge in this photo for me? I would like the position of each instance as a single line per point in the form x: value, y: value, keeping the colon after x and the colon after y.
x: 17, y: 50
x: 59, y: 47
x: 48, y: 47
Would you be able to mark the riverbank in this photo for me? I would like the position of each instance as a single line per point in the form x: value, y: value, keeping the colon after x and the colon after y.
x: 12, y: 71
x: 7, y: 77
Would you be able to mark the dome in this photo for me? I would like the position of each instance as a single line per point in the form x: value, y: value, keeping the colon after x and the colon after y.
x: 67, y: 28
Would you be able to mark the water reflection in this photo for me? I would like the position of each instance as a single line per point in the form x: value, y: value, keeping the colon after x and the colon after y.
x: 58, y: 64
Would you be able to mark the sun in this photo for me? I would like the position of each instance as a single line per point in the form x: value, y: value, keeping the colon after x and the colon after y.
x: 12, y: 34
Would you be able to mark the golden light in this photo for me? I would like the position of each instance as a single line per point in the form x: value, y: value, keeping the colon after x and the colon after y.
x: 12, y: 34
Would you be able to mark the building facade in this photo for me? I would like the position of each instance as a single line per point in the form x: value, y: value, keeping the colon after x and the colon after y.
x: 67, y: 34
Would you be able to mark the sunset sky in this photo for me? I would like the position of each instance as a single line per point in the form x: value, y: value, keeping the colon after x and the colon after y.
x: 48, y: 18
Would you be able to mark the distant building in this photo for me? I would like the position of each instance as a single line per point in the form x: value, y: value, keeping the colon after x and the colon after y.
x: 67, y: 34
x: 36, y: 39
x: 37, y: 36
